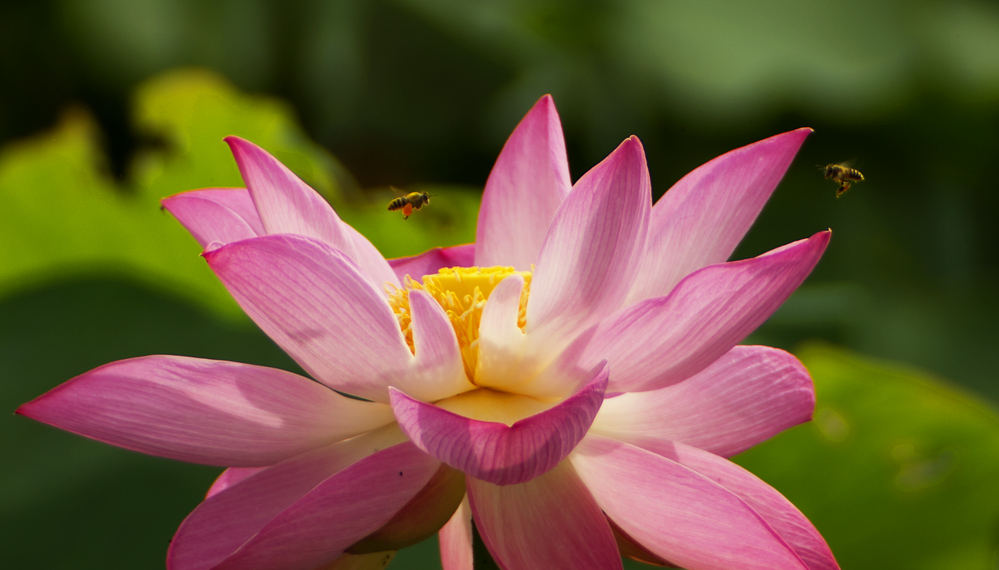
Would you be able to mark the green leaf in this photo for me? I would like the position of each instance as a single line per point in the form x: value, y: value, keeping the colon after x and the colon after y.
x: 449, y: 219
x: 897, y: 470
x: 65, y: 217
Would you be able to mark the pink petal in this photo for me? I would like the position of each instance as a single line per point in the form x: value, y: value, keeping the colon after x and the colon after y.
x: 523, y: 192
x: 659, y: 342
x: 355, y: 502
x: 456, y: 540
x: 370, y: 260
x: 496, y: 452
x: 551, y: 518
x: 216, y: 214
x: 677, y: 513
x: 422, y: 516
x: 204, y: 411
x: 702, y: 218
x: 591, y: 254
x: 319, y: 308
x: 779, y: 513
x: 429, y: 262
x: 230, y: 477
x: 288, y: 205
x: 747, y: 396
x: 285, y: 203
x: 438, y: 371
x: 246, y: 514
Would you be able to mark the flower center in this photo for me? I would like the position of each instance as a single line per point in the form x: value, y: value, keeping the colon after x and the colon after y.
x: 462, y: 292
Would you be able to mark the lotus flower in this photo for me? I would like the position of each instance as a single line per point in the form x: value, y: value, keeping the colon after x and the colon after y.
x: 570, y: 382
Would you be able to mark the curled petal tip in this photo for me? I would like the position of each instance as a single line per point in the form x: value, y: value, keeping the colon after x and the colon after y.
x: 632, y: 143
x: 211, y: 248
x: 239, y: 145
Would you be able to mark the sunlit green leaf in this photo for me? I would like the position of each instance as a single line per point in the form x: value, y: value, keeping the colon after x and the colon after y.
x: 65, y: 216
x: 449, y: 219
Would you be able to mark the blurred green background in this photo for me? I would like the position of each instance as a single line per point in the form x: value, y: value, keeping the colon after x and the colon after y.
x: 109, y: 105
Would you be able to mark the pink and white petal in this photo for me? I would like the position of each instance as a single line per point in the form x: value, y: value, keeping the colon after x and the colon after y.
x: 750, y: 394
x: 338, y: 512
x: 456, y: 540
x: 230, y: 477
x: 227, y: 521
x: 508, y: 359
x: 204, y: 411
x: 659, y: 342
x: 494, y: 451
x: 288, y: 205
x: 502, y: 345
x: 552, y: 517
x: 216, y: 214
x: 319, y: 308
x: 591, y: 254
x: 779, y: 513
x: 523, y: 192
x: 677, y: 513
x: 437, y: 371
x: 370, y: 260
x: 704, y: 216
x: 430, y: 261
x: 285, y: 203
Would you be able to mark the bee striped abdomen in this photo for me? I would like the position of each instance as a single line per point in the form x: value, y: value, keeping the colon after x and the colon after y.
x: 409, y: 202
x: 844, y: 175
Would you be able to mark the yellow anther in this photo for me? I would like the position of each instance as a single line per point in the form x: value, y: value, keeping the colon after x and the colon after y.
x: 462, y: 292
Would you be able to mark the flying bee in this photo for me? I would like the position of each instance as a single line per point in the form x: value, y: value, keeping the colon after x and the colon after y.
x: 409, y: 202
x: 842, y: 174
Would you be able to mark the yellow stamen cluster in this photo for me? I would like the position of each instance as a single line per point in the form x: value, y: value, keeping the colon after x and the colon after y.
x: 462, y: 292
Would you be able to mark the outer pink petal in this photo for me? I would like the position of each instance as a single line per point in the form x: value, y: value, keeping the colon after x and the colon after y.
x: 779, y: 513
x: 370, y: 260
x: 524, y: 190
x: 551, y: 518
x: 319, y: 308
x: 216, y: 214
x: 317, y: 528
x: 204, y: 411
x: 288, y: 205
x: 284, y: 202
x: 677, y: 513
x: 438, y: 371
x: 747, y: 396
x: 495, y: 452
x: 659, y: 342
x: 591, y: 254
x: 456, y: 540
x: 429, y: 262
x: 227, y: 521
x: 702, y: 218
x: 230, y: 477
